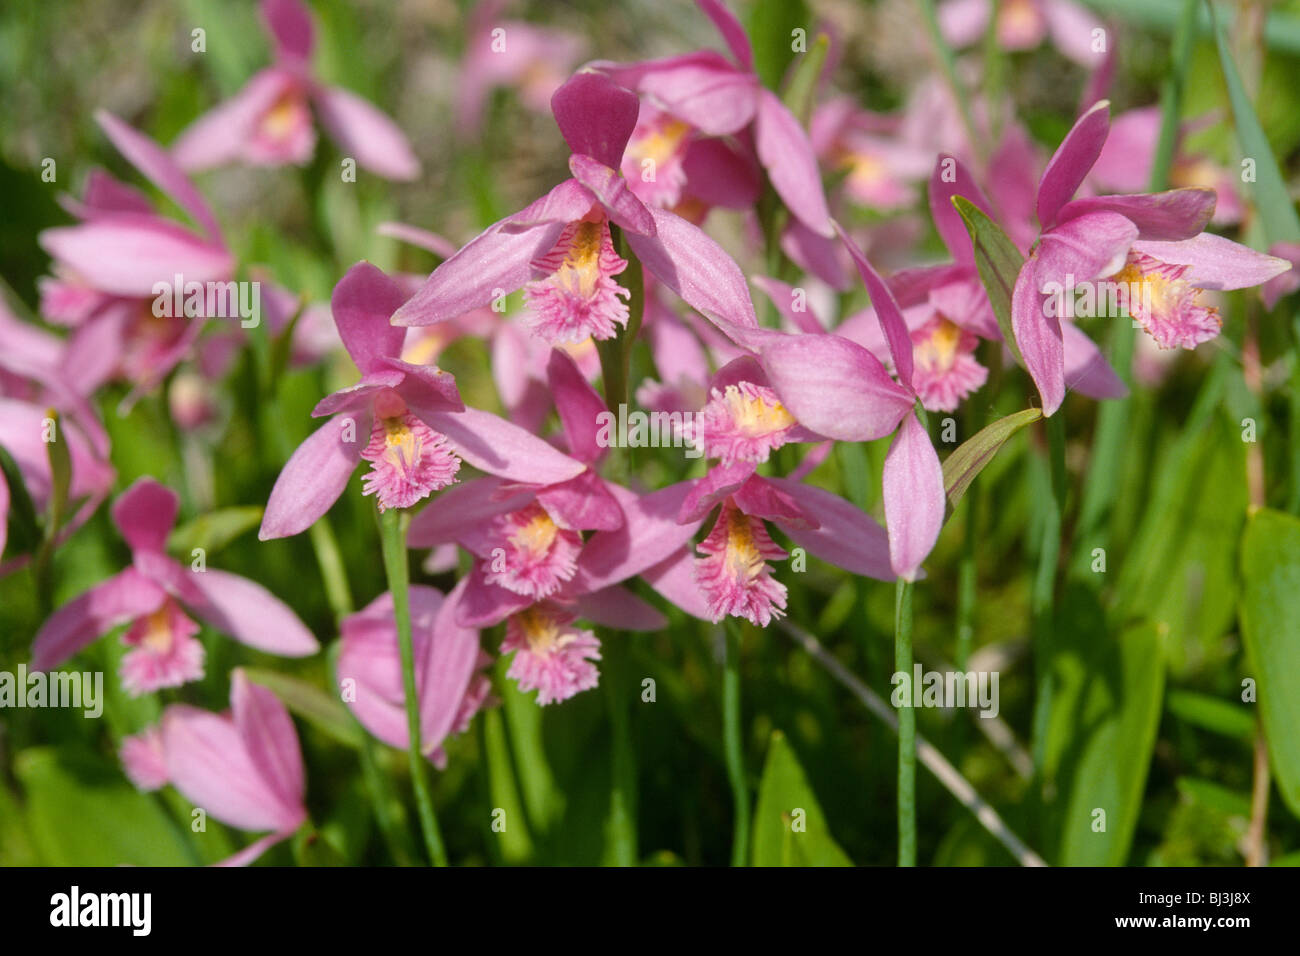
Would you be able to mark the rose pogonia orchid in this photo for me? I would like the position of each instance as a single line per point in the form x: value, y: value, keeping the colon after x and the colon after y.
x: 1024, y: 24
x: 109, y: 268
x: 406, y: 420
x: 732, y: 570
x: 708, y: 93
x: 510, y: 53
x: 269, y: 123
x: 153, y: 594
x: 244, y: 767
x: 1151, y: 245
x: 560, y: 249
x: 448, y: 670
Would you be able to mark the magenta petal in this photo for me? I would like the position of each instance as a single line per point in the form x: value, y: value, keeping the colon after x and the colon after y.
x: 129, y: 255
x: 718, y: 484
x: 674, y: 579
x: 440, y: 246
x: 835, y: 387
x: 887, y: 313
x: 449, y: 665
x: 761, y: 498
x: 495, y: 264
x: 121, y: 598
x: 314, y: 476
x: 1168, y: 216
x: 649, y: 534
x: 912, y: 484
x: 426, y: 389
x: 220, y: 135
x: 362, y: 303
x: 731, y: 31
x: 596, y: 116
x: 578, y: 405
x: 583, y: 503
x: 159, y: 168
x: 1086, y: 369
x: 609, y: 186
x: 1038, y: 336
x: 4, y: 514
x: 695, y: 267
x: 145, y: 514
x: 366, y: 134
x: 209, y: 764
x: 619, y: 608
x: 815, y: 254
x: 846, y: 536
x: 782, y: 296
x: 1216, y: 262
x: 290, y: 25
x: 702, y: 89
x: 951, y: 178
x: 719, y: 173
x: 267, y: 731
x: 246, y: 611
x: 786, y: 153
x: 464, y: 507
x: 1071, y: 162
x: 492, y: 444
x: 485, y: 605
x: 251, y: 853
x: 358, y: 396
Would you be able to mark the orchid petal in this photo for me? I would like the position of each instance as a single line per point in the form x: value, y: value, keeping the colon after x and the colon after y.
x: 912, y: 486
x: 290, y: 24
x: 784, y: 150
x: 366, y: 134
x: 731, y: 31
x: 1215, y: 262
x: 1071, y: 162
x: 267, y: 731
x: 492, y: 444
x: 887, y: 313
x: 145, y: 514
x: 1038, y: 336
x: 609, y: 186
x: 314, y: 477
x: 1168, y: 216
x: 845, y: 535
x: 596, y: 116
x: 123, y: 597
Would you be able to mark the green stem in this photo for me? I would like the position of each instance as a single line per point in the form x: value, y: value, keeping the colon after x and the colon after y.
x: 332, y: 571
x: 623, y: 798
x: 732, y: 741
x: 1043, y: 599
x: 906, y: 727
x: 948, y: 67
x: 966, y: 574
x: 392, y: 527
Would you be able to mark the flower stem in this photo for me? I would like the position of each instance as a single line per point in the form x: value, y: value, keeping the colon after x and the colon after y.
x: 392, y: 529
x: 1043, y: 599
x: 906, y: 727
x: 732, y: 741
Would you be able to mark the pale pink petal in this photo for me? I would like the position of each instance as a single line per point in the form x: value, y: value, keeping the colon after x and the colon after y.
x: 246, y: 611
x: 609, y: 186
x: 107, y: 605
x: 847, y: 537
x: 785, y: 152
x: 222, y: 134
x: 267, y: 731
x: 362, y: 303
x: 314, y: 476
x: 290, y: 25
x: 492, y: 444
x: 912, y: 487
x: 731, y: 31
x: 145, y: 514
x: 1216, y: 262
x: 1086, y: 369
x: 130, y: 255
x: 1071, y: 162
x: 365, y: 134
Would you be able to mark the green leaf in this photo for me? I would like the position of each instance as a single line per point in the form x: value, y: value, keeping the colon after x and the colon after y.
x: 24, y: 530
x: 802, y: 89
x: 310, y: 703
x: 310, y: 848
x: 969, y: 459
x: 999, y: 263
x: 1215, y: 796
x: 1270, y: 628
x: 81, y: 814
x: 771, y: 26
x: 214, y: 530
x: 789, y: 826
x: 1102, y: 731
x: 1212, y: 713
x: 1272, y: 200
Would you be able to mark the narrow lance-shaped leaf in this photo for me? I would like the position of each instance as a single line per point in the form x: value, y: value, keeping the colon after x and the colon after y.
x: 60, y: 473
x: 789, y: 826
x: 999, y: 263
x: 802, y: 88
x: 969, y: 459
x: 215, y: 530
x: 1270, y: 628
x: 1277, y: 212
x: 310, y: 703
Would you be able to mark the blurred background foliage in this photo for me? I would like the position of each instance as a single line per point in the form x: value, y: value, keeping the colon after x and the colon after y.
x: 1148, y: 658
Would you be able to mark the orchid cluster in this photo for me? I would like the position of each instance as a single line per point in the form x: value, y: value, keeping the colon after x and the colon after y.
x: 542, y: 537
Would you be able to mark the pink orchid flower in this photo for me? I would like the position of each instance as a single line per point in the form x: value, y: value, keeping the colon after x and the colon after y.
x: 1282, y: 285
x: 153, y: 595
x: 731, y: 570
x: 705, y: 94
x: 244, y: 767
x: 108, y: 266
x: 1151, y: 243
x: 269, y: 123
x: 1023, y: 25
x: 560, y: 249
x: 406, y: 420
x: 448, y: 670
x: 511, y: 53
